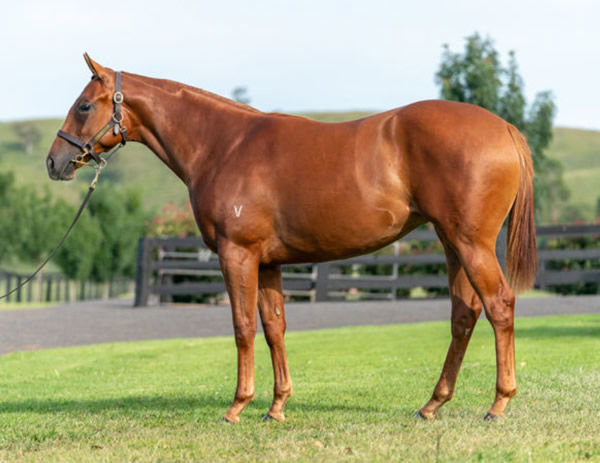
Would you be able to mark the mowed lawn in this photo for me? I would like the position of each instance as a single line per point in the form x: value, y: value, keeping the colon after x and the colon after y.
x: 355, y: 393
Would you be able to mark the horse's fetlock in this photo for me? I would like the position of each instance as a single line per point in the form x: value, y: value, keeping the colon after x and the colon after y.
x: 442, y: 396
x: 244, y: 397
x: 509, y: 393
x: 284, y: 392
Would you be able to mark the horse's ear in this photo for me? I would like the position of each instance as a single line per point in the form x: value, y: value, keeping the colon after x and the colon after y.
x: 96, y: 69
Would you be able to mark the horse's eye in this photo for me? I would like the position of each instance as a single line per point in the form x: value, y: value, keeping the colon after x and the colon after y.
x: 85, y: 107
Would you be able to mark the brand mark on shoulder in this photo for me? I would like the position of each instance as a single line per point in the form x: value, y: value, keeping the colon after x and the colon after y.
x: 237, y: 210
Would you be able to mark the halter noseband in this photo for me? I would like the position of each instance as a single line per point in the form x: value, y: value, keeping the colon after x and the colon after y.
x: 114, y: 123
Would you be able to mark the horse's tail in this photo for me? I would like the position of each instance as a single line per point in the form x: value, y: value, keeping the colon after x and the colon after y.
x: 521, y: 255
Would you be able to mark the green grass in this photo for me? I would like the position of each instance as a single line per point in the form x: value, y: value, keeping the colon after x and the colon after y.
x: 356, y: 390
x: 25, y: 305
x: 536, y: 293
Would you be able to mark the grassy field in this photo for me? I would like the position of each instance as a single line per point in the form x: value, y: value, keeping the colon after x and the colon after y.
x: 356, y: 390
x: 25, y: 305
x: 579, y: 151
x: 137, y: 167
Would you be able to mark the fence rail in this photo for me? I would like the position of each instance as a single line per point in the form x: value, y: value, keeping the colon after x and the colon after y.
x: 173, y: 267
x: 55, y: 287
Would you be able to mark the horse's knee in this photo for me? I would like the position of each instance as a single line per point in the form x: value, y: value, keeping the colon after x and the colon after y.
x: 244, y: 335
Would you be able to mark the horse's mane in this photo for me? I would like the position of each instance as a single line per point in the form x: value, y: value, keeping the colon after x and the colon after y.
x: 174, y: 86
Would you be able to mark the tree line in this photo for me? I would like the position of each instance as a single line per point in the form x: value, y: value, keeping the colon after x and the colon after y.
x: 101, y: 247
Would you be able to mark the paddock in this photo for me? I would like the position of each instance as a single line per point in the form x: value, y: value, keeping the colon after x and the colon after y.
x: 356, y: 386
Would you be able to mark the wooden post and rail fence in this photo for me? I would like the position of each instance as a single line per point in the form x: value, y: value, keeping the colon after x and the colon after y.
x: 170, y: 268
x: 56, y: 288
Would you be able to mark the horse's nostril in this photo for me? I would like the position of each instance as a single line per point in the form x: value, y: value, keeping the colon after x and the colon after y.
x: 50, y: 163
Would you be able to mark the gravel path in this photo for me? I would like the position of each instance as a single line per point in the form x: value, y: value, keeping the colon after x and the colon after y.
x: 96, y: 322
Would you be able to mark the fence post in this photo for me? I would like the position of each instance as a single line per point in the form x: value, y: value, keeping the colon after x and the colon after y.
x: 167, y: 279
x: 8, y: 286
x: 539, y: 278
x: 322, y: 286
x: 142, y: 275
x: 49, y: 289
x: 19, y: 295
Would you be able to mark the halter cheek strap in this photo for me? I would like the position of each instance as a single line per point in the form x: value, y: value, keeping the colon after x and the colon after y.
x: 114, y: 123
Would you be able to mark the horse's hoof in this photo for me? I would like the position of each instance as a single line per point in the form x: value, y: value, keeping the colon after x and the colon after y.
x: 421, y: 416
x: 269, y: 418
x: 226, y: 420
x: 490, y: 417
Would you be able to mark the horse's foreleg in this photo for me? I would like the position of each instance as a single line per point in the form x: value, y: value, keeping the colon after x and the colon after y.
x: 272, y: 314
x: 240, y: 271
x: 466, y: 308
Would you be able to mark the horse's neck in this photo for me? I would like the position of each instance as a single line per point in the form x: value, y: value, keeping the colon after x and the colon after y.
x: 187, y: 128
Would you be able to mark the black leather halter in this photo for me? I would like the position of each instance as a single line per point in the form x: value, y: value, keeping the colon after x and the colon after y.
x: 114, y: 123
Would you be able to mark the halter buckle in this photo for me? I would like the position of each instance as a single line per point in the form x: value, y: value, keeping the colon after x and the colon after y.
x: 117, y: 118
x: 118, y: 98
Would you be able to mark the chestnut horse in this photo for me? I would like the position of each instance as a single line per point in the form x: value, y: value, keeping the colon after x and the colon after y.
x: 269, y: 189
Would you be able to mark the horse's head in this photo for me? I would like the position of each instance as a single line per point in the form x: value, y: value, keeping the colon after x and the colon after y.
x: 93, y: 125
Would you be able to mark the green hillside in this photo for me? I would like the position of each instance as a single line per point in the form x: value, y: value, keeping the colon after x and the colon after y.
x: 579, y: 151
x: 136, y: 167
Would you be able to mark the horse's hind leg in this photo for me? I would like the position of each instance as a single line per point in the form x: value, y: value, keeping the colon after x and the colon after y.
x: 484, y: 272
x: 466, y: 308
x: 270, y: 303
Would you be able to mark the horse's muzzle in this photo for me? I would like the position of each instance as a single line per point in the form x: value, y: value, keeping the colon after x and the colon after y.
x: 59, y: 171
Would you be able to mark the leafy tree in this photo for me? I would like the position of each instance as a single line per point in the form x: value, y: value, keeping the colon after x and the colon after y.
x: 8, y: 226
x: 28, y: 133
x: 30, y: 223
x: 102, y: 245
x: 477, y: 76
x: 120, y: 220
x: 41, y: 221
x: 240, y: 94
x: 76, y: 257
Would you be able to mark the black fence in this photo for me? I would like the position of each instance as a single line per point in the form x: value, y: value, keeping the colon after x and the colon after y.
x: 54, y: 287
x: 183, y: 270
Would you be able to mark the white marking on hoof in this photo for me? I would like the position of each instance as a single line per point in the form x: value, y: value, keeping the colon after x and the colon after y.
x: 237, y: 210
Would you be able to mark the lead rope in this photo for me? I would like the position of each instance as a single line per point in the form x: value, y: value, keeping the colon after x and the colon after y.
x: 91, y: 189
